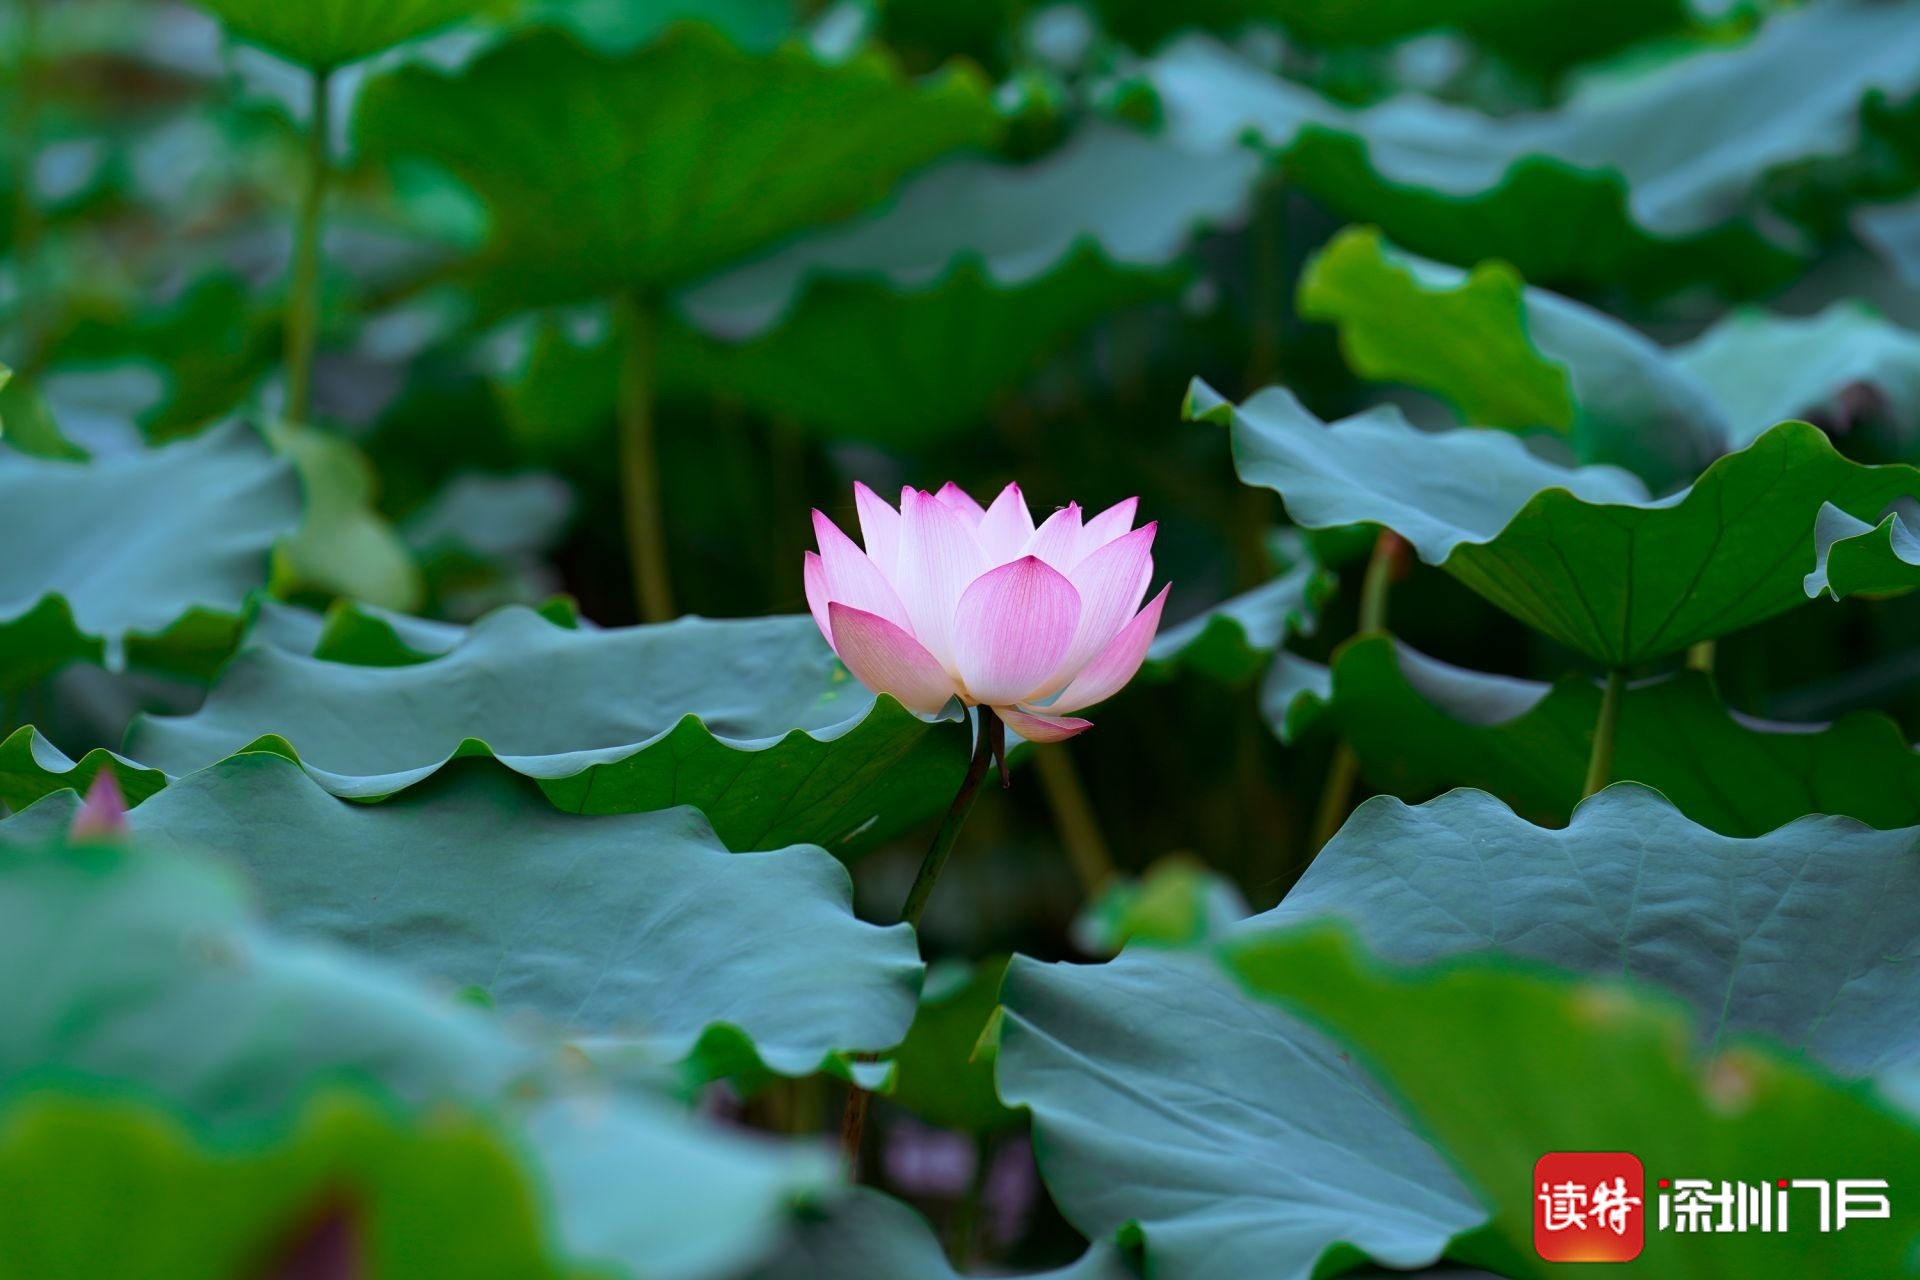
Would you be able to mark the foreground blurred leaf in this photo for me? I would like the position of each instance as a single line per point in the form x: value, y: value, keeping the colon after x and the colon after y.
x: 910, y: 324
x: 869, y: 1236
x: 623, y: 927
x: 1651, y: 185
x: 141, y: 559
x: 1421, y: 726
x: 753, y: 722
x: 1798, y: 935
x: 102, y: 1187
x: 1506, y: 355
x: 605, y: 174
x: 182, y: 1000
x: 1169, y: 1106
x: 1502, y: 1064
x: 1578, y: 553
x: 326, y: 33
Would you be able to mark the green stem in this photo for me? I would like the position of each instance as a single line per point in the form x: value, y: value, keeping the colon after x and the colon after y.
x: 943, y: 839
x: 1600, y: 763
x: 303, y: 303
x: 1269, y: 283
x: 1336, y: 794
x: 640, y: 464
x: 989, y: 739
x: 963, y: 1231
x: 1073, y: 817
x: 26, y: 213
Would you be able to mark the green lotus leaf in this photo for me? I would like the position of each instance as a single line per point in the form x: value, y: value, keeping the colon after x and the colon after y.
x: 753, y: 722
x: 358, y: 634
x: 1169, y: 1107
x: 620, y: 927
x: 1295, y: 696
x: 1852, y: 557
x: 1579, y: 553
x: 323, y: 34
x: 1506, y: 355
x: 1651, y: 184
x: 619, y: 26
x: 110, y: 1186
x: 1502, y: 1063
x: 642, y: 172
x: 343, y: 547
x: 180, y: 999
x: 1842, y: 366
x: 482, y: 541
x: 1233, y: 640
x: 32, y: 767
x: 143, y: 559
x: 940, y: 1078
x: 1523, y: 33
x: 906, y: 325
x: 871, y: 1236
x: 1420, y: 727
x: 1178, y: 902
x: 1893, y: 231
x: 1796, y: 935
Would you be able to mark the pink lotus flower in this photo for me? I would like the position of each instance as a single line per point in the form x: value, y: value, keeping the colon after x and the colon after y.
x: 951, y: 599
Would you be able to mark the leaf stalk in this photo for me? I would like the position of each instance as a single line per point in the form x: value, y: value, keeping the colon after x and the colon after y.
x: 1600, y: 763
x: 640, y: 464
x: 989, y: 743
x: 303, y: 302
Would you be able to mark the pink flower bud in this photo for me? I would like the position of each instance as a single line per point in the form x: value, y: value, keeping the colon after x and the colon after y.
x: 104, y: 815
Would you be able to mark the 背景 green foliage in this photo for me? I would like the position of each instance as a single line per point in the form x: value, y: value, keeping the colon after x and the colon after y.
x: 377, y: 898
x: 326, y: 33
x: 1650, y: 180
x: 666, y: 163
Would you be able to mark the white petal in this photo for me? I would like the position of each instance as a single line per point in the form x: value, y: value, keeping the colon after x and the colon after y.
x: 1004, y: 531
x: 938, y: 559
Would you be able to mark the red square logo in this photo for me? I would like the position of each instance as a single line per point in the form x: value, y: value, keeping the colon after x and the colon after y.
x: 1589, y: 1206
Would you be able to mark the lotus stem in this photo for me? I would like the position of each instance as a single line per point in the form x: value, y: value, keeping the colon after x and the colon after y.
x: 963, y: 1231
x: 640, y: 464
x: 26, y: 214
x: 1073, y: 817
x: 989, y: 741
x: 1336, y: 794
x: 303, y: 303
x: 1600, y: 763
x: 988, y: 733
